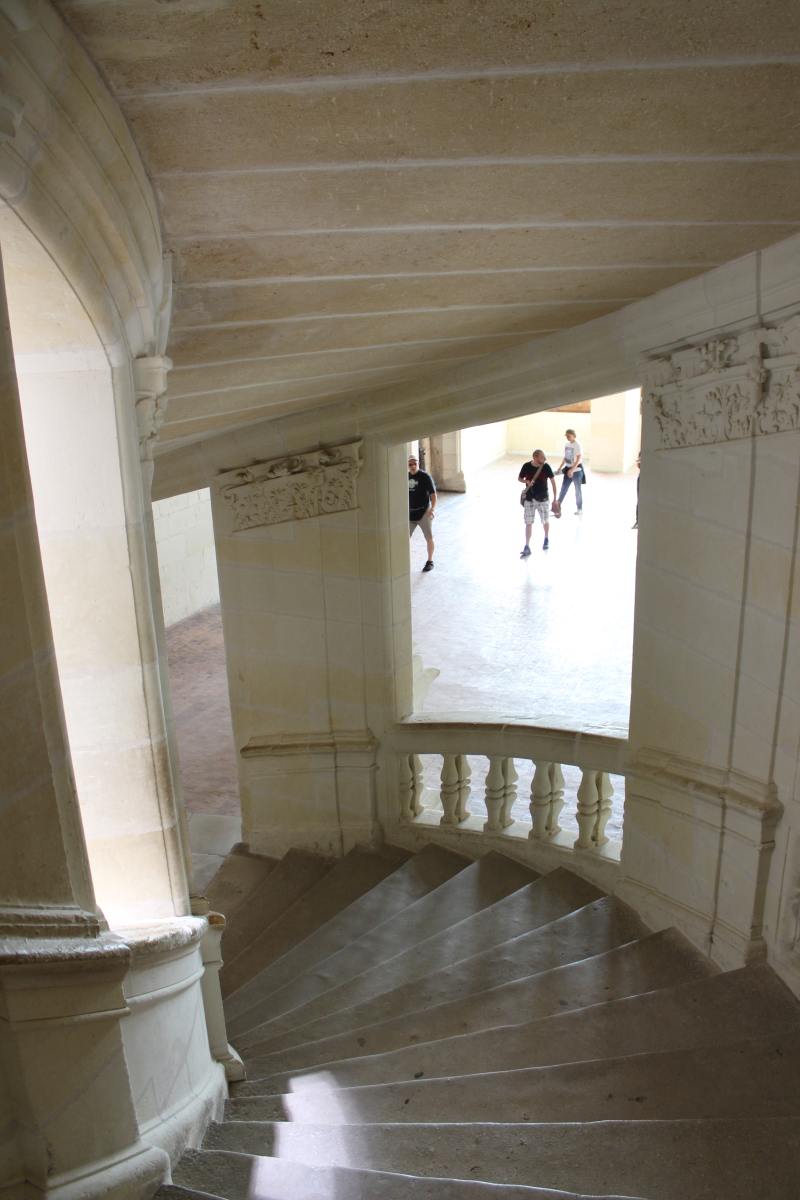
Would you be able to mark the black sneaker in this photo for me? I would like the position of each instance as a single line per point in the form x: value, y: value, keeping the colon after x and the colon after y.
x: 428, y: 566
x: 546, y: 544
x: 526, y: 552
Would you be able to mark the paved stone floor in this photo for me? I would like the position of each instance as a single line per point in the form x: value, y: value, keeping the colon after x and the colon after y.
x: 547, y: 638
x: 202, y: 720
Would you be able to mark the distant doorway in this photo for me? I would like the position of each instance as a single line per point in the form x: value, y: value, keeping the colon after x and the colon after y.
x: 547, y: 639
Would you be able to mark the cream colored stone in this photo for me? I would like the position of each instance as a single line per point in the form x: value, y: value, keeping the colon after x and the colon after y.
x: 463, y: 194
x: 525, y: 114
x: 269, y: 300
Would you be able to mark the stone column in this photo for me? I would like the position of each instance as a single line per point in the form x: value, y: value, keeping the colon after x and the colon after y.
x: 67, y: 1119
x: 306, y: 586
x: 445, y: 461
x: 709, y: 774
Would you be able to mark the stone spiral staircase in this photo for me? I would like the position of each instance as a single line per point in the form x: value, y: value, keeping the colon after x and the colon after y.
x: 429, y: 1027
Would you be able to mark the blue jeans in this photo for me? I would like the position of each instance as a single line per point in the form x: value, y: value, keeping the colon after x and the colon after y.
x: 577, y: 479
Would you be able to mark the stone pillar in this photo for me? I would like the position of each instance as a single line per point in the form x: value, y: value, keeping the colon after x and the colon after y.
x: 708, y: 779
x: 306, y: 585
x: 67, y: 1120
x: 445, y: 461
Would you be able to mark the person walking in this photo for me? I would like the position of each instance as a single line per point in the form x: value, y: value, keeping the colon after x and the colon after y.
x: 535, y: 475
x: 572, y: 466
x: 421, y: 506
x: 635, y: 524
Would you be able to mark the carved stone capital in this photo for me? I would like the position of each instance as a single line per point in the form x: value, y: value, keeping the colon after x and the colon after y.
x: 725, y: 389
x: 293, y: 488
x: 150, y: 382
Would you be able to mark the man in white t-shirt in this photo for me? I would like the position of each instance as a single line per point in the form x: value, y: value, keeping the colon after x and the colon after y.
x: 572, y: 466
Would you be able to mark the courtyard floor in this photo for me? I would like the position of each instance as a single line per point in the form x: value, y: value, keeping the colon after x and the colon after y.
x: 546, y: 638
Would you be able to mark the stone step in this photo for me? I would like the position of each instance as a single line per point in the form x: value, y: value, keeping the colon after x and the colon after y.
x: 478, y: 886
x: 531, y: 906
x: 727, y: 1006
x: 239, y: 875
x: 718, y: 1159
x: 658, y: 960
x: 757, y: 1076
x: 593, y: 929
x: 347, y: 880
x: 432, y: 866
x: 245, y: 1177
x: 295, y: 874
x: 173, y: 1191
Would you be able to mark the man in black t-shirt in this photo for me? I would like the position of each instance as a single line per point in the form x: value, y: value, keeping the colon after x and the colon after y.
x: 421, y: 505
x: 535, y: 475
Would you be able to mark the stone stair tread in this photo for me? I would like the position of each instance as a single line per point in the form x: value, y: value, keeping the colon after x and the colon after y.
x: 348, y: 879
x: 241, y: 872
x: 732, y: 1080
x: 658, y: 960
x: 478, y: 886
x: 593, y: 929
x: 530, y: 906
x: 704, y: 1159
x: 174, y: 1191
x: 296, y: 872
x: 425, y: 871
x: 726, y: 1007
x: 249, y: 1177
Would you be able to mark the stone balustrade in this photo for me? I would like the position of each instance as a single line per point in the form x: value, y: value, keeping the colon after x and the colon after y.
x: 453, y: 805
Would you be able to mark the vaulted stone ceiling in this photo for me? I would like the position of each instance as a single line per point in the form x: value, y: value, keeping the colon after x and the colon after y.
x: 358, y: 192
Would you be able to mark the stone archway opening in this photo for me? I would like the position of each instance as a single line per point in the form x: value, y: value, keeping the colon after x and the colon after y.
x: 547, y: 639
x: 196, y: 659
x: 83, y: 453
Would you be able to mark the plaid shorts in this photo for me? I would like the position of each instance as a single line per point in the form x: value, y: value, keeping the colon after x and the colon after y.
x: 530, y: 509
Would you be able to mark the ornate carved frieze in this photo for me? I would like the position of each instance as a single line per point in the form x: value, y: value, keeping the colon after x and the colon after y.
x: 293, y: 488
x: 725, y: 389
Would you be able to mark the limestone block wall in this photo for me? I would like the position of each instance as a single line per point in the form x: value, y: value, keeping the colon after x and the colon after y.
x: 711, y: 808
x: 187, y: 562
x: 317, y: 621
x: 483, y: 444
x: 545, y: 430
x: 615, y: 432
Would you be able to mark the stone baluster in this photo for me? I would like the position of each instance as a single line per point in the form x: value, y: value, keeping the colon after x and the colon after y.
x: 501, y: 792
x: 510, y: 778
x: 405, y: 787
x: 547, y: 800
x: 410, y: 786
x: 464, y: 786
x: 450, y: 790
x: 605, y: 790
x: 495, y: 795
x: 557, y: 799
x: 541, y: 792
x: 588, y: 809
x: 416, y: 770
